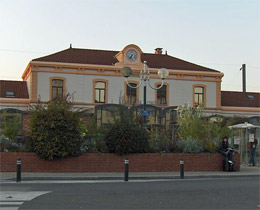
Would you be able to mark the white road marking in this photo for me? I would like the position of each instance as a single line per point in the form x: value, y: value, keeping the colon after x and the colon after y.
x: 9, y: 208
x: 11, y: 203
x: 20, y: 195
x: 11, y: 200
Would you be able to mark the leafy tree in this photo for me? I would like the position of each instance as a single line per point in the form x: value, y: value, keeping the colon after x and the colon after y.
x: 55, y: 129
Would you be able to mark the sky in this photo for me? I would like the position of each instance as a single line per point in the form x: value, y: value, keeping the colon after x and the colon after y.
x: 219, y: 34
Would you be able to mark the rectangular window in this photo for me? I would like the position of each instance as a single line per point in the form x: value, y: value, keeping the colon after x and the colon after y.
x: 57, y: 89
x: 131, y: 94
x: 100, y: 92
x: 198, y: 95
x: 161, y: 95
x: 9, y: 94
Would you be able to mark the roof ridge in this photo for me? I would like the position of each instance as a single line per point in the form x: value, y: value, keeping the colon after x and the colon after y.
x: 93, y: 49
x: 50, y: 54
x: 180, y: 60
x: 73, y: 48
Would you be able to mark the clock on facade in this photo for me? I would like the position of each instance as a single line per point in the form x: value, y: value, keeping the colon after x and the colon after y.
x: 131, y: 55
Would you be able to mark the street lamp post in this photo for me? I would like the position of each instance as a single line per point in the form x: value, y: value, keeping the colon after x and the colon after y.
x: 144, y: 76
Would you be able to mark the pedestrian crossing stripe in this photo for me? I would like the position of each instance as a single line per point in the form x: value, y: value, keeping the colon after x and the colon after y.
x: 7, y: 203
x: 11, y: 200
x: 20, y: 195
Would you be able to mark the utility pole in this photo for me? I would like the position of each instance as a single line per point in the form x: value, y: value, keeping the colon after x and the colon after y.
x: 243, y: 77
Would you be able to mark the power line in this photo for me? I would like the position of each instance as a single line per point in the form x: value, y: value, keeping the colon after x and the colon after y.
x: 228, y: 64
x: 254, y: 67
x: 21, y: 51
x: 221, y: 64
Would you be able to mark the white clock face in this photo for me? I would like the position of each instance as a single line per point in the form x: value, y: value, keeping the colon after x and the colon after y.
x: 131, y: 55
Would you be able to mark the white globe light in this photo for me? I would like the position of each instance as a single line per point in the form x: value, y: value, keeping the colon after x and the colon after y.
x: 126, y: 71
x: 163, y: 73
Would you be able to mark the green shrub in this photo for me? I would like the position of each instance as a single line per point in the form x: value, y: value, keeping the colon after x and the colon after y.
x: 94, y: 144
x: 194, y: 125
x: 55, y: 130
x: 94, y: 137
x: 11, y: 127
x: 159, y: 141
x: 211, y: 146
x: 190, y: 146
x: 6, y: 145
x: 125, y: 136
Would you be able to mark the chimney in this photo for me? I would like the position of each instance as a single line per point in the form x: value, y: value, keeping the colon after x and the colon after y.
x: 244, y: 77
x: 158, y: 50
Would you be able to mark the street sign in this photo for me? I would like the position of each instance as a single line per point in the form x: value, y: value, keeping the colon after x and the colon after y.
x: 145, y: 113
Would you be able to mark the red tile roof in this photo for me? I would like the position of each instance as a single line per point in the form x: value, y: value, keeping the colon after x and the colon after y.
x: 240, y: 99
x: 19, y: 88
x: 105, y: 57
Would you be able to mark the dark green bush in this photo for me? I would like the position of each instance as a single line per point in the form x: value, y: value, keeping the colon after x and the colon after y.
x: 55, y: 130
x: 159, y: 141
x: 125, y: 136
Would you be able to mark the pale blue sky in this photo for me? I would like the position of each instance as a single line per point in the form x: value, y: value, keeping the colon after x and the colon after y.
x: 220, y: 34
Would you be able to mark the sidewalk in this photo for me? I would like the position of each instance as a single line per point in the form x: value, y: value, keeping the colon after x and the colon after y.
x: 28, y: 176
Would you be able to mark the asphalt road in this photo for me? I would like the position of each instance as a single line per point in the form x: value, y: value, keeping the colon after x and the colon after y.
x: 226, y: 193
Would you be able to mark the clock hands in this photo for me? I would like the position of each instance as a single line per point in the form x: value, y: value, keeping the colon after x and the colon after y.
x: 131, y: 56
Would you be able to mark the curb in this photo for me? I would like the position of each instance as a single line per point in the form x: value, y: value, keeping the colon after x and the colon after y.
x: 130, y: 178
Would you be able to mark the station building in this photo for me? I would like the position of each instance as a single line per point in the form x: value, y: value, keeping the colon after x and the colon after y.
x: 93, y: 78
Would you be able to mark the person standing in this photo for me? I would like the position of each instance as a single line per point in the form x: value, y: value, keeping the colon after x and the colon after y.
x: 252, y: 152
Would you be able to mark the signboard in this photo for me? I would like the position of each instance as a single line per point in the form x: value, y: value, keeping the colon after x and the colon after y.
x: 236, y: 140
x: 145, y: 113
x: 251, y: 137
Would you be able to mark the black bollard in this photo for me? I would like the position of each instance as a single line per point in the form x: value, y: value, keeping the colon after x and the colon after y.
x: 182, y: 169
x: 19, y: 170
x: 126, y: 170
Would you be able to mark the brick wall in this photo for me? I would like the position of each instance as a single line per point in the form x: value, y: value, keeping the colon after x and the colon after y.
x: 112, y: 163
